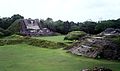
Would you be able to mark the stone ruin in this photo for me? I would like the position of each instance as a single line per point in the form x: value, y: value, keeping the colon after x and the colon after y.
x: 97, y: 46
x: 110, y: 31
x: 31, y: 27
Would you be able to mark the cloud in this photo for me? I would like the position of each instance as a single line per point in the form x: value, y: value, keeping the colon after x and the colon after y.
x: 76, y: 10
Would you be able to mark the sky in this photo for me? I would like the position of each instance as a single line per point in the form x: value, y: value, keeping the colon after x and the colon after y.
x: 71, y: 10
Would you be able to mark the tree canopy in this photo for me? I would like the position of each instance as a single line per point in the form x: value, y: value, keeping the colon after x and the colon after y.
x: 5, y: 22
x: 65, y: 27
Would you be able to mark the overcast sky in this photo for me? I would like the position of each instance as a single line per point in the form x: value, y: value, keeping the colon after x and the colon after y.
x: 71, y: 10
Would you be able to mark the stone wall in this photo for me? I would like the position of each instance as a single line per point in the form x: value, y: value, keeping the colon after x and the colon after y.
x: 31, y: 27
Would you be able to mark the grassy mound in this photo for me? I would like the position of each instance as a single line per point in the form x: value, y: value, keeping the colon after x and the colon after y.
x: 75, y: 35
x: 15, y: 27
x: 59, y: 38
x: 16, y: 39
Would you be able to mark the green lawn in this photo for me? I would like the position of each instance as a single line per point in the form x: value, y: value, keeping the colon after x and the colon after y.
x: 54, y: 38
x: 23, y: 57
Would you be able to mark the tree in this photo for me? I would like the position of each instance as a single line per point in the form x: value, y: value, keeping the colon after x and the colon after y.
x: 16, y: 16
x: 67, y: 27
x: 59, y: 25
x: 4, y: 32
x: 5, y: 22
x: 102, y: 25
x: 49, y: 23
x: 88, y: 27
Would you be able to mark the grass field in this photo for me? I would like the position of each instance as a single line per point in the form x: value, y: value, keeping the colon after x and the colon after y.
x: 23, y: 57
x: 54, y: 38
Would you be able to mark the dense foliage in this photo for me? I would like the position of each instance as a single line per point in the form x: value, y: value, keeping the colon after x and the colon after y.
x: 4, y: 32
x: 63, y: 27
x: 5, y: 22
x: 89, y: 27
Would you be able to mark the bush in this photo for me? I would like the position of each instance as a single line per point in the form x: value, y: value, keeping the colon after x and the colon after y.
x: 31, y: 41
x: 16, y: 36
x: 10, y: 42
x: 43, y: 43
x: 74, y: 35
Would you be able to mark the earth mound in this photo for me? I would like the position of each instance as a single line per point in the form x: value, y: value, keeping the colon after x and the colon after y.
x: 99, y: 46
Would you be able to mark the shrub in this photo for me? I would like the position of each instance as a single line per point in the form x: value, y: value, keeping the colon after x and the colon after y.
x: 31, y: 41
x: 116, y: 39
x: 43, y: 43
x: 74, y: 35
x: 10, y: 42
x: 14, y: 36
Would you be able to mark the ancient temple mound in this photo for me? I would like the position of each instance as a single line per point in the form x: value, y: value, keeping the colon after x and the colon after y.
x: 99, y: 46
x: 29, y: 27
